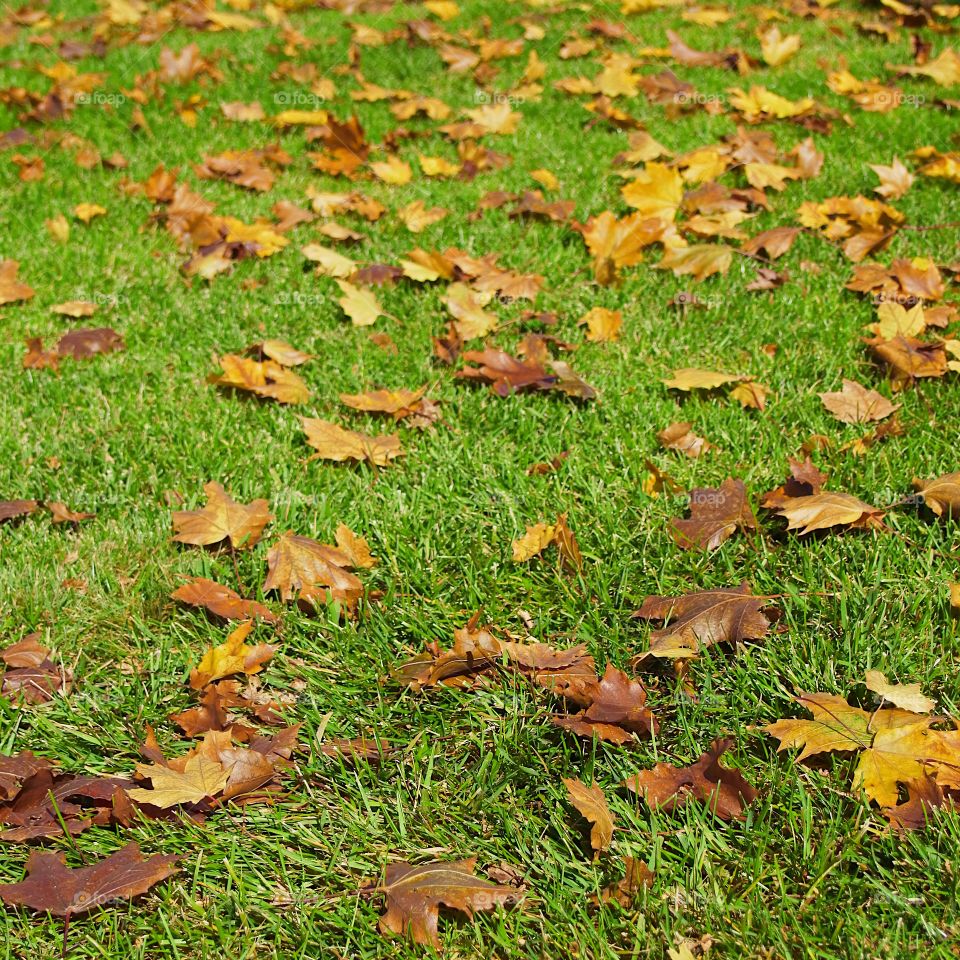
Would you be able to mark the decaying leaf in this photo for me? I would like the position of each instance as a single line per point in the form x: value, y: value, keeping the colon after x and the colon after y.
x: 715, y: 515
x: 220, y: 600
x: 53, y: 887
x: 233, y: 656
x: 414, y: 895
x: 222, y: 519
x: 591, y: 802
x: 724, y: 791
x: 333, y: 442
x: 704, y: 618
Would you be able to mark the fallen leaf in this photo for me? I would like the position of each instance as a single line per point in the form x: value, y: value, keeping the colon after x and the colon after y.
x: 414, y: 895
x: 725, y: 792
x: 53, y: 887
x: 591, y: 802
x: 222, y: 519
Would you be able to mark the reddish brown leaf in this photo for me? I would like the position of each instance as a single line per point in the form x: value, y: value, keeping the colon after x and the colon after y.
x: 53, y: 887
x: 715, y: 515
x: 414, y: 895
x: 724, y: 791
x: 221, y: 601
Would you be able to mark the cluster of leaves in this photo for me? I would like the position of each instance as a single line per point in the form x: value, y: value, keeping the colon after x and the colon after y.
x: 692, y: 208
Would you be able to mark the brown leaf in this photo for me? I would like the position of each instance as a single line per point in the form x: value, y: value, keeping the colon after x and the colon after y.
x: 220, y: 600
x: 821, y: 511
x: 725, y: 792
x: 941, y: 495
x: 680, y: 437
x: 704, y: 618
x: 297, y: 563
x: 13, y: 509
x: 414, y: 895
x: 222, y: 519
x: 775, y: 242
x: 591, y: 802
x: 925, y: 799
x: 63, y: 514
x: 332, y: 442
x: 715, y: 515
x: 81, y: 344
x: 909, y: 358
x: 359, y: 748
x: 12, y: 290
x: 856, y: 404
x: 51, y: 886
x: 637, y: 876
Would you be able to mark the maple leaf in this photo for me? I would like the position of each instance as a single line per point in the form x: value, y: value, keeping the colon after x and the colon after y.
x: 941, y: 495
x: 232, y: 656
x: 925, y: 798
x: 52, y: 887
x: 681, y: 437
x: 894, y: 746
x: 220, y: 600
x: 266, y: 379
x: 895, y: 180
x: 541, y: 535
x: 826, y: 509
x: 414, y: 895
x: 907, y: 696
x: 725, y: 792
x: 655, y: 192
x: 616, y: 707
x: 715, y: 515
x: 12, y: 290
x: 591, y: 802
x: 702, y: 260
x: 637, y: 876
x: 332, y: 442
x: 856, y: 404
x: 692, y: 378
x: 222, y: 519
x: 201, y: 777
x: 615, y: 244
x: 704, y: 618
x: 298, y: 563
x: 602, y: 325
x: 774, y: 242
x: 359, y: 304
x: 398, y: 403
x: 16, y: 769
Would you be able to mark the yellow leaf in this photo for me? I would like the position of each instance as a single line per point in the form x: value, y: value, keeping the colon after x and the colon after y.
x: 602, y: 324
x: 230, y: 657
x: 393, y: 170
x: 87, y: 211
x: 200, y: 778
x: 536, y: 539
x: 329, y: 262
x: 359, y: 304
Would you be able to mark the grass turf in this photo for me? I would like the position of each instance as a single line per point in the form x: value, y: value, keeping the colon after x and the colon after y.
x: 811, y: 873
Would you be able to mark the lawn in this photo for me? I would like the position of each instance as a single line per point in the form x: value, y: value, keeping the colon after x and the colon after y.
x: 813, y: 868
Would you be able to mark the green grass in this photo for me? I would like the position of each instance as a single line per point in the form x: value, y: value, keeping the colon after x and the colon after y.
x: 812, y: 872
